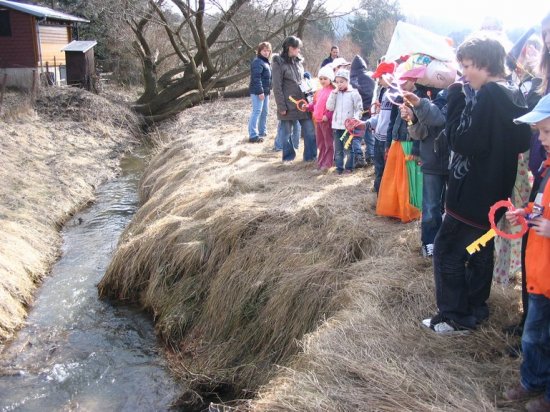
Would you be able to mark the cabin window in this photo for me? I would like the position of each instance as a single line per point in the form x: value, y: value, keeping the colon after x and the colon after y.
x: 5, y: 27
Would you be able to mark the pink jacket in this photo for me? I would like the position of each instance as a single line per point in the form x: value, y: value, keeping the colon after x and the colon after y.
x: 319, y: 105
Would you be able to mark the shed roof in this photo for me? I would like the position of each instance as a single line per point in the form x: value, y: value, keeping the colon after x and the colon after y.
x: 79, y: 46
x: 40, y: 11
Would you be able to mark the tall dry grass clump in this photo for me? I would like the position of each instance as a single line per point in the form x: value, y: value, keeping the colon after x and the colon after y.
x: 54, y: 152
x: 248, y: 264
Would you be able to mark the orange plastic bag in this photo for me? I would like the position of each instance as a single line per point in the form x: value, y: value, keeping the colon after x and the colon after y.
x: 394, y: 197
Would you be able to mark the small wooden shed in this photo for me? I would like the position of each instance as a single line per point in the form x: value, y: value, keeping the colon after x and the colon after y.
x: 31, y: 39
x: 79, y: 56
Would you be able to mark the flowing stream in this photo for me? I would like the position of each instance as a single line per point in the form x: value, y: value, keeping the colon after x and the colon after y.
x: 78, y: 352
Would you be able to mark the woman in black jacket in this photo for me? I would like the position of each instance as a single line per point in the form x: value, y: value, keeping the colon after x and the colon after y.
x: 260, y: 88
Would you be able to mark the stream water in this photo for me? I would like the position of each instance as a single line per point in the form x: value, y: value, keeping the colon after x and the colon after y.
x: 78, y: 352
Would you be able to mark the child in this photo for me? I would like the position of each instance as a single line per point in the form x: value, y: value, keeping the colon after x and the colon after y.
x: 535, y: 368
x: 400, y: 189
x: 345, y: 102
x: 379, y: 122
x: 323, y: 118
x: 485, y: 144
x: 428, y: 125
x: 364, y: 84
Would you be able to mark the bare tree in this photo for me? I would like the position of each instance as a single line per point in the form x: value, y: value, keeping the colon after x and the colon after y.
x: 212, y: 45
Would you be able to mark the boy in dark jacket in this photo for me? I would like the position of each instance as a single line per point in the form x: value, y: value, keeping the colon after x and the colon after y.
x: 428, y: 125
x: 486, y: 144
x: 364, y: 84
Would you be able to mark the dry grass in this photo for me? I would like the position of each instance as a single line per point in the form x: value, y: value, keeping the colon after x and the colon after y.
x: 53, y: 153
x: 247, y: 264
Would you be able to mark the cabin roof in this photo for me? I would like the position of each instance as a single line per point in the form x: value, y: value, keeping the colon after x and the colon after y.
x: 41, y: 11
x: 79, y: 46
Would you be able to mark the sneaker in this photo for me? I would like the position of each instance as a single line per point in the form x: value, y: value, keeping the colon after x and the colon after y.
x: 519, y: 393
x: 441, y: 325
x: 428, y: 250
x: 540, y: 404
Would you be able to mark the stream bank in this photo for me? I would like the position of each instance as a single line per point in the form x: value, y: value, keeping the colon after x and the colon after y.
x: 55, y: 152
x: 276, y: 287
x: 77, y: 352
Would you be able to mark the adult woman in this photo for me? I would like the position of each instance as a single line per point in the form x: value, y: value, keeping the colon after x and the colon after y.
x: 288, y: 81
x: 260, y: 88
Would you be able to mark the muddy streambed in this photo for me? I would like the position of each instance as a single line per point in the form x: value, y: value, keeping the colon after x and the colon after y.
x: 77, y: 352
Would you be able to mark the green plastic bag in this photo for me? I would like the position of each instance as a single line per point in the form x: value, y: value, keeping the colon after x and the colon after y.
x: 414, y: 174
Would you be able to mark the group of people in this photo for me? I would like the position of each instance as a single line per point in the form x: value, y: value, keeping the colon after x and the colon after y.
x: 315, y: 115
x: 473, y: 142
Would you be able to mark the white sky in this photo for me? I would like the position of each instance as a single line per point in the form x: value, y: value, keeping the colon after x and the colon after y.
x: 468, y: 13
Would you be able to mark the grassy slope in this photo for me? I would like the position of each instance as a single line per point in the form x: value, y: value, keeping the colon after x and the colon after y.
x: 54, y: 153
x: 247, y: 264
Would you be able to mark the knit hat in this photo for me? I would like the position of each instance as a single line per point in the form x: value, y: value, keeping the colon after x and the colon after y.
x: 339, y: 61
x: 342, y: 73
x: 326, y: 71
x: 540, y: 112
x: 383, y: 68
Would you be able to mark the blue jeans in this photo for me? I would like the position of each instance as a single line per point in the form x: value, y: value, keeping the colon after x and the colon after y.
x: 296, y: 132
x: 379, y: 162
x: 257, y: 125
x: 535, y: 343
x: 310, y: 146
x: 340, y: 152
x: 433, y: 195
x: 462, y: 282
x: 369, y: 142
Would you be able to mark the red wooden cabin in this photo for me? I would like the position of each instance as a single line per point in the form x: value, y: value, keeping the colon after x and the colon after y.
x: 31, y: 39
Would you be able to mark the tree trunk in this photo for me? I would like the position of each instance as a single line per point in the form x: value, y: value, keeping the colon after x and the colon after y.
x: 209, y: 61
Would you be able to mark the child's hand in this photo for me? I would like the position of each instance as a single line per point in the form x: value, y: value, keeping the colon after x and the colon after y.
x: 512, y: 216
x: 541, y: 226
x: 325, y: 118
x: 412, y: 98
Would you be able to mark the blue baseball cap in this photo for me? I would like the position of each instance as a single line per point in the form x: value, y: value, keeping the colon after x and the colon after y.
x: 540, y: 112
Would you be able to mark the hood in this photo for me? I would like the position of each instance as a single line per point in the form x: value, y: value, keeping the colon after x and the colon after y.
x: 512, y: 104
x: 360, y: 79
x: 510, y: 98
x: 358, y: 64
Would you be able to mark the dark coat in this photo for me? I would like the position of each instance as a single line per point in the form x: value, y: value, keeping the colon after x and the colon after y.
x: 485, y: 144
x: 260, y: 76
x: 328, y: 60
x: 287, y: 78
x: 429, y: 128
x: 361, y: 81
